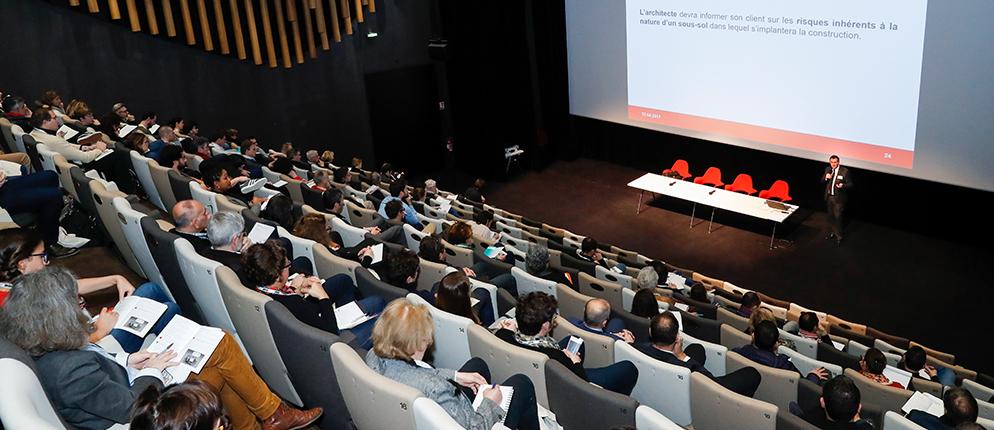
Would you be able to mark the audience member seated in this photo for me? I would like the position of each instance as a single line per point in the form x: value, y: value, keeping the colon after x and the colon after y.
x: 644, y: 304
x: 698, y: 293
x: 284, y: 166
x: 401, y: 269
x: 333, y: 205
x: 313, y: 301
x: 322, y: 181
x: 872, y: 366
x: 394, y: 211
x: 173, y: 157
x: 597, y: 319
x: 535, y: 315
x: 401, y: 337
x: 39, y: 195
x: 647, y: 279
x: 279, y: 209
x: 52, y: 100
x: 115, y: 166
x: 343, y: 175
x: 483, y: 224
x: 191, y: 218
x: 537, y: 264
x: 23, y: 253
x: 431, y: 249
x: 314, y: 227
x: 839, y: 407
x: 226, y: 231
x: 474, y: 194
x: 387, y: 173
x: 398, y: 191
x: 296, y: 159
x: 92, y: 388
x: 914, y: 361
x: 137, y: 142
x: 18, y: 113
x: 589, y: 252
x: 190, y: 406
x: 122, y: 113
x: 254, y: 158
x: 327, y: 158
x: 315, y: 159
x: 178, y: 125
x: 961, y: 408
x: 453, y: 293
x: 431, y: 189
x: 147, y: 121
x: 763, y: 350
x: 807, y: 327
x: 166, y: 138
x: 750, y: 302
x: 216, y: 179
x: 666, y: 345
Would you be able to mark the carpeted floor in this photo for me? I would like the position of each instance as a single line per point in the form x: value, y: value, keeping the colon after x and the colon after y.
x: 930, y: 290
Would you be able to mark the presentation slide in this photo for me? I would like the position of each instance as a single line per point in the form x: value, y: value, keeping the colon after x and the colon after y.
x: 901, y: 87
x: 804, y: 74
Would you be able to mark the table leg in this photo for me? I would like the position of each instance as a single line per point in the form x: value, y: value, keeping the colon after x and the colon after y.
x: 712, y: 220
x: 638, y: 209
x: 692, y: 213
x: 773, y: 234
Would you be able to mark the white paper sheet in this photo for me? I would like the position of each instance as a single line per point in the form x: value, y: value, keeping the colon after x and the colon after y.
x: 137, y: 315
x: 350, y: 315
x: 261, y: 232
x: 506, y: 393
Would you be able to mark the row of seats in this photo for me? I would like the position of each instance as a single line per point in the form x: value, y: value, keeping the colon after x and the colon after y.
x: 780, y: 190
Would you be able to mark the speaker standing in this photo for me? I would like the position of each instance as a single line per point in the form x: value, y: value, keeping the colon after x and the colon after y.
x: 838, y: 181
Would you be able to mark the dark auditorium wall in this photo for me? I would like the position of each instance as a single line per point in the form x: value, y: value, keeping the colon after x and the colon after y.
x: 523, y: 99
x: 321, y: 104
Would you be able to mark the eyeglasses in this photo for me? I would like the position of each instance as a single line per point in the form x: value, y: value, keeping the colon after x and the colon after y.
x: 287, y: 264
x: 43, y: 255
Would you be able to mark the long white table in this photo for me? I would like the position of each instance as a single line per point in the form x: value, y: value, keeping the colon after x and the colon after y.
x: 717, y: 198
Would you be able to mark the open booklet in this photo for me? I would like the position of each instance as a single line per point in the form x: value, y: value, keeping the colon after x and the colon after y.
x: 137, y: 315
x: 103, y: 154
x: 924, y: 402
x: 66, y: 132
x: 261, y: 232
x: 350, y: 315
x: 11, y: 169
x: 506, y: 392
x: 897, y: 375
x: 126, y: 130
x: 193, y: 344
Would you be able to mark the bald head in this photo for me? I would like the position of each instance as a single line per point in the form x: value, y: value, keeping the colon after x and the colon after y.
x: 167, y: 134
x: 596, y: 313
x: 190, y: 216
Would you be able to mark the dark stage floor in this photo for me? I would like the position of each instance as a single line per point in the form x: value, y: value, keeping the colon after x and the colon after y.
x: 931, y: 290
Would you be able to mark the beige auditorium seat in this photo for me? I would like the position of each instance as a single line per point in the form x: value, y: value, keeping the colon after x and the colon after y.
x: 727, y: 317
x: 662, y: 386
x: 714, y: 407
x: 248, y: 312
x: 104, y: 201
x: 599, y: 349
x: 607, y: 290
x: 888, y: 398
x: 778, y: 386
x: 506, y: 360
x: 527, y: 283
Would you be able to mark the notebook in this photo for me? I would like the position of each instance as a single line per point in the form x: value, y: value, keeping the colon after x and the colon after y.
x: 506, y: 393
x: 924, y: 402
x: 897, y: 375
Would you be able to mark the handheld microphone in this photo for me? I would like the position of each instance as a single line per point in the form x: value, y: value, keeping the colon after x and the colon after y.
x: 712, y: 192
x: 672, y: 183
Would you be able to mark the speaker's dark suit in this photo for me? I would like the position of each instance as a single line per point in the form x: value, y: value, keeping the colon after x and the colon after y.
x: 837, y: 185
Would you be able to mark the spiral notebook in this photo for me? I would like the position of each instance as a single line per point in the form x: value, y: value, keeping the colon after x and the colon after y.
x: 506, y: 393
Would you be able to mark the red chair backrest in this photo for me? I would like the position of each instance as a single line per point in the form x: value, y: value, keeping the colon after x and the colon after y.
x: 681, y: 167
x: 742, y: 182
x: 779, y: 189
x: 713, y: 175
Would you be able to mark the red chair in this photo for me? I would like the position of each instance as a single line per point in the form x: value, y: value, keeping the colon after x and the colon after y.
x: 711, y: 177
x: 778, y: 191
x: 742, y: 184
x: 680, y: 167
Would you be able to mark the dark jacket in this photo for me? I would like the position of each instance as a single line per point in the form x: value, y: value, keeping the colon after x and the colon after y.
x: 669, y: 358
x: 771, y: 359
x: 88, y: 390
x: 843, y: 177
